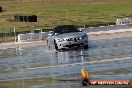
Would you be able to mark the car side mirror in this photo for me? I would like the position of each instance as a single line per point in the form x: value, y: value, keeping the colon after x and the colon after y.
x: 56, y: 33
x: 50, y: 33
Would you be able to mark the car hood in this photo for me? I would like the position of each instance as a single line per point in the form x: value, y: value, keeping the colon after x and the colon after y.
x: 71, y: 35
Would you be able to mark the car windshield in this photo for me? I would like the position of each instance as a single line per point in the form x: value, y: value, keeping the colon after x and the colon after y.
x: 65, y: 29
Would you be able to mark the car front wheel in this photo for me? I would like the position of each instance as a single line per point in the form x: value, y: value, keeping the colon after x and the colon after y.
x: 56, y: 47
x: 86, y: 47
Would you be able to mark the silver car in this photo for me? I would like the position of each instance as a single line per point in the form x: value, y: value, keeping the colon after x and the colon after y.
x: 67, y: 37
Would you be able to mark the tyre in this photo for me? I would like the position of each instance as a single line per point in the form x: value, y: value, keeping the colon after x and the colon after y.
x: 86, y: 82
x: 56, y: 47
x: 86, y: 47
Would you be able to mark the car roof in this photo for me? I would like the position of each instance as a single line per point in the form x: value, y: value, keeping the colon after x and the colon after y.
x: 65, y: 26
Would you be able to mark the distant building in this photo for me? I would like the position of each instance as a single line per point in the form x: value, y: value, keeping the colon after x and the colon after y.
x: 123, y: 21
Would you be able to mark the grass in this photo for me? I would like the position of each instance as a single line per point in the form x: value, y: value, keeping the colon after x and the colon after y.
x: 58, y: 12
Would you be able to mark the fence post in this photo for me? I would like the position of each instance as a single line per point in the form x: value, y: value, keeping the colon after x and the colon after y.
x: 15, y: 33
x: 5, y: 37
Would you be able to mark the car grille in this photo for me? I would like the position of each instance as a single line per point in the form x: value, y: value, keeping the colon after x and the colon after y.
x: 74, y: 45
x: 73, y: 39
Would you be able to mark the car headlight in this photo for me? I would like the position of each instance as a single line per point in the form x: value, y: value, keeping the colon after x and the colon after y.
x: 60, y: 39
x: 84, y: 36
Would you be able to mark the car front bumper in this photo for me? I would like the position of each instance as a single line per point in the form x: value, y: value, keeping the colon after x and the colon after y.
x: 72, y: 44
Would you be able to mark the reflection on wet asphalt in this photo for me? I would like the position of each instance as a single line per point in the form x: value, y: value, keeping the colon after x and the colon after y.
x: 38, y: 62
